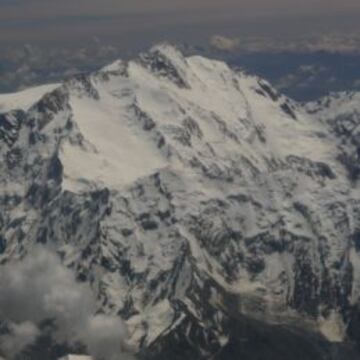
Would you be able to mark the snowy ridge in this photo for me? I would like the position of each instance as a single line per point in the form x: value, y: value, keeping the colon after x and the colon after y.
x: 187, y: 194
x: 334, y: 105
x: 24, y: 99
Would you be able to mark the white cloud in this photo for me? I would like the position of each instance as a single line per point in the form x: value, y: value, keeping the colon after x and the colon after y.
x: 39, y: 288
x: 103, y: 337
x: 224, y: 43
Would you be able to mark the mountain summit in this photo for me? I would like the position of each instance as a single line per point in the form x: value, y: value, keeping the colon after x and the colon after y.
x: 217, y: 217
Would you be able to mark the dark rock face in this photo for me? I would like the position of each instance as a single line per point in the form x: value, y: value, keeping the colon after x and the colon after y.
x: 268, y: 90
x: 10, y: 124
x: 288, y: 110
x: 256, y: 340
x: 162, y: 65
x: 2, y: 245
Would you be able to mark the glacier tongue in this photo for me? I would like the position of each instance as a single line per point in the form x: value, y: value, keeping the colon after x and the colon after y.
x: 188, y: 195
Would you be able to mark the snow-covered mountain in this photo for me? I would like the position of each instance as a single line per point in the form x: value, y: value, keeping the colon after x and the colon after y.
x: 215, y: 216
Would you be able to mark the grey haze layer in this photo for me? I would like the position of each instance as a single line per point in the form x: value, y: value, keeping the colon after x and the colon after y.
x: 131, y: 22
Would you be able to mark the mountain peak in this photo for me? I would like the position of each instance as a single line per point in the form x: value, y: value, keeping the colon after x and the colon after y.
x: 167, y: 49
x: 161, y: 110
x: 191, y: 197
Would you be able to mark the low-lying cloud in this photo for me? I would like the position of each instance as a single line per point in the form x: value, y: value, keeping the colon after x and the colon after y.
x: 332, y: 43
x: 19, y: 336
x: 224, y: 43
x: 40, y: 288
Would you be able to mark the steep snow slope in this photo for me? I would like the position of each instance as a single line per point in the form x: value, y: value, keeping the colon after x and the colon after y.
x: 113, y: 154
x: 24, y: 99
x: 192, y: 197
x: 340, y: 112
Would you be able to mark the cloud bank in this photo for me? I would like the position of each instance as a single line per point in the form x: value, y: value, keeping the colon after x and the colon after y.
x: 331, y: 43
x: 40, y: 288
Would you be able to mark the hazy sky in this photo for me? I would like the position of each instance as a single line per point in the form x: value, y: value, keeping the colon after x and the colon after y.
x: 138, y: 21
x: 47, y: 40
